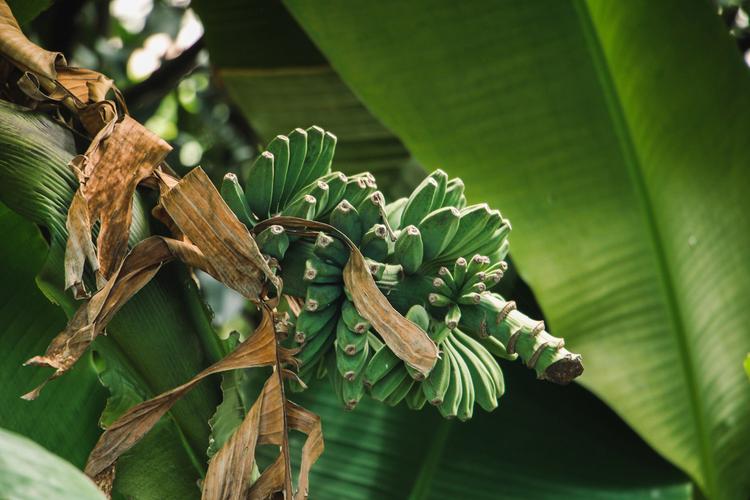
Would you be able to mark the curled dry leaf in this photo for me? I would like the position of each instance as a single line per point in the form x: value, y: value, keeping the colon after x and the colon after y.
x: 118, y: 158
x: 21, y: 51
x: 409, y: 342
x: 200, y: 213
x: 88, y: 86
x: 267, y: 422
x: 404, y: 338
x: 92, y: 317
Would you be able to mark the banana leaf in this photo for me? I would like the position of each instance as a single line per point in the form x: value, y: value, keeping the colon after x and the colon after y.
x: 158, y: 340
x: 64, y: 419
x: 282, y: 82
x: 613, y: 135
x: 29, y: 471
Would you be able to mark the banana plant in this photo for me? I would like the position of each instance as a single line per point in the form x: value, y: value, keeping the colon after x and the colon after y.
x: 616, y: 148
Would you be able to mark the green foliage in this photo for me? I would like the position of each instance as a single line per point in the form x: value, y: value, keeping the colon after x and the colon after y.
x: 29, y: 322
x: 29, y: 471
x: 613, y: 134
x: 158, y: 340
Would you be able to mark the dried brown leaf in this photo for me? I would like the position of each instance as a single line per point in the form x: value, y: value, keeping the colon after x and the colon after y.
x: 267, y: 422
x: 126, y: 431
x: 141, y: 264
x: 80, y: 249
x: 118, y: 158
x: 88, y: 86
x: 200, y: 213
x: 305, y: 421
x: 21, y: 51
x: 94, y: 117
x: 409, y: 342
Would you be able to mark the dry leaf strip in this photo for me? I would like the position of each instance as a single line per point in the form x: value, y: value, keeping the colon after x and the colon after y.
x: 407, y: 341
x: 200, y: 213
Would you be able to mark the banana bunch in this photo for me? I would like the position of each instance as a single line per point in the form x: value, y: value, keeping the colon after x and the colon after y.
x: 435, y: 258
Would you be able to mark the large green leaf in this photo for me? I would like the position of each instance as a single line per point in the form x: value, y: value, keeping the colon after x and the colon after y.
x: 157, y: 341
x: 613, y: 134
x: 282, y: 82
x: 64, y: 419
x: 542, y: 442
x: 29, y: 471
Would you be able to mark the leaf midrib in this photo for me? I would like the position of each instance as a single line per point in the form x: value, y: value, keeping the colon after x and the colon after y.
x: 632, y: 163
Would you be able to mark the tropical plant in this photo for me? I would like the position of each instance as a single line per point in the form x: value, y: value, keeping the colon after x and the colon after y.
x: 584, y: 158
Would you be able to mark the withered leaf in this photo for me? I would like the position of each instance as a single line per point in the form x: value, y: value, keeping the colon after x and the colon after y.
x: 21, y: 51
x: 200, y: 213
x: 126, y: 431
x: 407, y: 341
x: 267, y: 422
x: 141, y: 264
x: 88, y: 86
x: 118, y: 158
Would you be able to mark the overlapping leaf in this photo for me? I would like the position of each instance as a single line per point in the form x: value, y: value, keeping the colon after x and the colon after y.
x: 613, y: 135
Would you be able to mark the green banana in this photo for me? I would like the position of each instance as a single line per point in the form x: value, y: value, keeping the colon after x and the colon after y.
x: 400, y: 392
x: 349, y: 341
x: 371, y: 209
x: 321, y: 296
x: 349, y: 365
x: 319, y: 271
x: 323, y: 163
x: 466, y: 405
x: 374, y: 243
x: 420, y: 202
x: 453, y: 395
x: 418, y: 315
x: 416, y: 399
x: 259, y: 185
x: 453, y: 317
x: 303, y: 207
x: 471, y: 228
x: 380, y: 365
x: 352, y: 318
x: 359, y: 187
x: 273, y: 241
x: 441, y: 287
x: 441, y: 178
x: 436, y: 384
x: 279, y: 148
x: 453, y: 193
x: 310, y: 323
x: 346, y: 219
x: 447, y: 277
x: 319, y: 190
x: 297, y: 153
x: 336, y: 187
x: 439, y: 300
x: 438, y: 228
x: 459, y: 272
x: 309, y: 173
x: 409, y: 249
x: 394, y: 210
x: 352, y: 391
x: 485, y: 393
x: 331, y: 249
x: 317, y: 346
x: 387, y: 384
x: 234, y: 196
x: 404, y: 243
x: 485, y: 358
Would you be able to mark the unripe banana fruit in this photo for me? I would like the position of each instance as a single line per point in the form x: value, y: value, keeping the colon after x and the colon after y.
x: 432, y: 256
